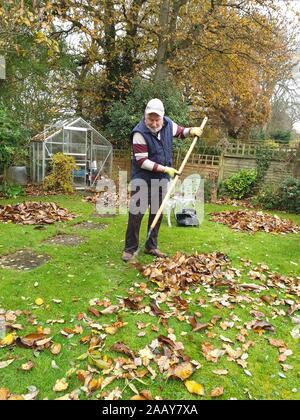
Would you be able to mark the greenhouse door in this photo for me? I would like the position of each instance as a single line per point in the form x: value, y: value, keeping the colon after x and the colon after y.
x: 75, y: 145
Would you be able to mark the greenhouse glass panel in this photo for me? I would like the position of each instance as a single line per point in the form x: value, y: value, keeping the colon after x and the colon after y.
x: 76, y: 138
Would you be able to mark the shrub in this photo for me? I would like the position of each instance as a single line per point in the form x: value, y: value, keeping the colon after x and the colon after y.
x: 61, y: 177
x: 285, y: 197
x: 267, y: 197
x: 239, y: 185
x: 13, y: 139
x: 11, y: 190
x: 289, y: 195
x: 281, y: 136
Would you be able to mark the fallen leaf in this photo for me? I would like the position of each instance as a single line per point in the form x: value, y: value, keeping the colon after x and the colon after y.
x: 143, y: 395
x: 6, y: 363
x: 109, y: 310
x: 55, y: 348
x: 60, y: 385
x: 39, y: 302
x: 217, y: 392
x: 182, y: 371
x: 94, y: 312
x: 8, y: 340
x: 197, y: 326
x: 194, y: 387
x: 27, y: 366
x: 4, y: 394
x: 122, y: 348
x: 31, y: 340
x: 263, y: 325
x: 220, y: 372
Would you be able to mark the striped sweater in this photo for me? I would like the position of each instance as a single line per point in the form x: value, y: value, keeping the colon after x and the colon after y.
x: 140, y: 149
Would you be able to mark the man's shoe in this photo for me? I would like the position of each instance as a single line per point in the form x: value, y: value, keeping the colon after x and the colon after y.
x: 127, y: 256
x: 155, y: 252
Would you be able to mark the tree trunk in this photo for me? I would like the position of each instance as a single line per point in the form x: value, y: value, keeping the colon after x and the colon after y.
x: 161, y: 56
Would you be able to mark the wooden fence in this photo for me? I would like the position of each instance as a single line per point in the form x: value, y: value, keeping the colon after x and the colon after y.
x: 285, y: 162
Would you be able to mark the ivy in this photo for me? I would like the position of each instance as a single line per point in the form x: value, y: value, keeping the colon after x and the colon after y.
x: 263, y: 162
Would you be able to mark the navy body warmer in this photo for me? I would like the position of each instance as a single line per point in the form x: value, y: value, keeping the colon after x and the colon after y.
x: 159, y: 150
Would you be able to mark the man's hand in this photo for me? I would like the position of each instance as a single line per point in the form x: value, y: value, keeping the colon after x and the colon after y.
x: 171, y: 171
x: 196, y: 131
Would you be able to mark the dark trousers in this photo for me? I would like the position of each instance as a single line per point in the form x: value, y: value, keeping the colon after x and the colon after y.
x: 135, y: 220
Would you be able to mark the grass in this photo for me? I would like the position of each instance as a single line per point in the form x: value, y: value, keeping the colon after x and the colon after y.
x: 95, y: 270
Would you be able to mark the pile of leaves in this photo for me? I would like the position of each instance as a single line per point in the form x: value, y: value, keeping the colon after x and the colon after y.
x: 181, y: 271
x: 37, y: 191
x: 34, y: 213
x: 251, y: 221
x: 225, y: 201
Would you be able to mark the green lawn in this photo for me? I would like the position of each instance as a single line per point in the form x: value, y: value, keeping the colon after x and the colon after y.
x: 95, y: 270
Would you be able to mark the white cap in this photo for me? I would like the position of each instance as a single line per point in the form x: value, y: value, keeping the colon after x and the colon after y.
x: 155, y: 106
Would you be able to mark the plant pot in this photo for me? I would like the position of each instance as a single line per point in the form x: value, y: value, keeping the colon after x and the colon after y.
x: 17, y: 175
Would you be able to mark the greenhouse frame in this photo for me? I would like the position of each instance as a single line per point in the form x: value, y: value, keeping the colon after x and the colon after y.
x: 92, y: 152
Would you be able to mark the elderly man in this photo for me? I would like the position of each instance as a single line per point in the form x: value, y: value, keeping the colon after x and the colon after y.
x: 152, y: 141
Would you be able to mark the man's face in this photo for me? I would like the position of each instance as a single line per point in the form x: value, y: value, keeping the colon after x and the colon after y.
x: 154, y: 122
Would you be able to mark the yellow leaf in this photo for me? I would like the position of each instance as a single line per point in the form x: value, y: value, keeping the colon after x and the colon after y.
x: 194, y: 388
x: 111, y: 330
x: 95, y: 384
x: 8, y: 340
x: 39, y: 302
x: 182, y: 371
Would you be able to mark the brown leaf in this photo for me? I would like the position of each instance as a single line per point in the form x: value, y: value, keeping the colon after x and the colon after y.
x: 217, y: 392
x: 131, y: 304
x: 263, y: 325
x: 180, y: 303
x: 155, y: 309
x: 109, y: 310
x: 122, y: 348
x: 196, y: 325
x: 277, y: 343
x: 4, y: 394
x: 166, y: 340
x: 94, y: 312
x: 143, y: 395
x: 33, y: 340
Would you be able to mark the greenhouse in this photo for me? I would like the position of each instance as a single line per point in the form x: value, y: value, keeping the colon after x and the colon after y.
x: 77, y: 138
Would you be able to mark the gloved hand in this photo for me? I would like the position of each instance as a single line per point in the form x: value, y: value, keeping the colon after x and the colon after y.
x: 196, y: 131
x: 171, y: 171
